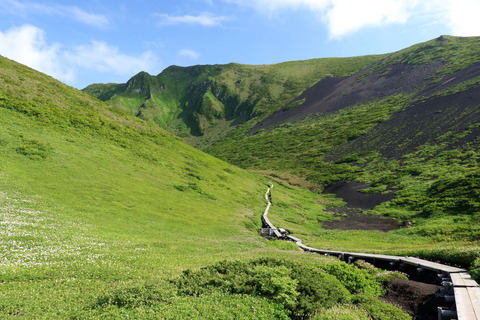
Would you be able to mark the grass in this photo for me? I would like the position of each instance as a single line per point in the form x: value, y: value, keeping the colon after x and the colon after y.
x: 455, y: 52
x: 99, y: 210
x: 359, y: 143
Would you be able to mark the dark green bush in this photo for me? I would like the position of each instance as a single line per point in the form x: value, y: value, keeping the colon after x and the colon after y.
x: 301, y: 289
x: 378, y: 310
x: 34, y: 149
x: 455, y: 195
x: 475, y: 270
x: 134, y: 297
x: 354, y: 279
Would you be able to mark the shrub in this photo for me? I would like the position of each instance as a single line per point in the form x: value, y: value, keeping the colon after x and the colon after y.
x: 34, y: 149
x: 275, y: 283
x: 301, y: 289
x: 378, y: 310
x: 455, y: 195
x: 475, y: 270
x: 317, y: 290
x: 354, y: 279
x: 134, y: 297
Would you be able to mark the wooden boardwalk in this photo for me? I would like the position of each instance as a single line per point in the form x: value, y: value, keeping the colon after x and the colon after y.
x: 268, y: 227
x: 465, y: 291
x: 467, y: 301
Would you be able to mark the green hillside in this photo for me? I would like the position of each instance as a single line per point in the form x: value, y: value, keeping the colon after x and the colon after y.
x: 100, y: 213
x: 408, y: 125
x: 205, y: 102
x: 405, y: 124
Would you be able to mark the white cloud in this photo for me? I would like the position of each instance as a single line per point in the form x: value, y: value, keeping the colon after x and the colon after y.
x: 27, y: 45
x: 93, y: 19
x: 274, y: 6
x: 205, y: 19
x: 69, y: 12
x: 345, y: 17
x: 100, y: 56
x: 189, y: 54
x: 463, y: 17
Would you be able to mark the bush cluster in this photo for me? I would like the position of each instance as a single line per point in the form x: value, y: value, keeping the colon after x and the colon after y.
x: 256, y: 289
x: 303, y: 290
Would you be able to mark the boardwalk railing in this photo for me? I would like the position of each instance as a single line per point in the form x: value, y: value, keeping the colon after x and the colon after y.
x: 460, y: 291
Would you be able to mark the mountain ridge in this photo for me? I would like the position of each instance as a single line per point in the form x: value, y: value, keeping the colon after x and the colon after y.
x: 198, y: 97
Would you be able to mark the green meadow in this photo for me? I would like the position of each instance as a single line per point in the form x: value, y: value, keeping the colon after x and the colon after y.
x: 103, y: 215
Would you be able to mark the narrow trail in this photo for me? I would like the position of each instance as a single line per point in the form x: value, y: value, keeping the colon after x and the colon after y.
x: 460, y: 293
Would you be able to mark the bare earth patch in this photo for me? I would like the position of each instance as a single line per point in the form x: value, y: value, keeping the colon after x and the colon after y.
x: 361, y: 221
x: 351, y: 215
x: 415, y: 298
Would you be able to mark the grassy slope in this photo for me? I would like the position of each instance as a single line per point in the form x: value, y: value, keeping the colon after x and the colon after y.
x: 296, y: 151
x: 93, y: 199
x: 299, y: 149
x: 100, y: 209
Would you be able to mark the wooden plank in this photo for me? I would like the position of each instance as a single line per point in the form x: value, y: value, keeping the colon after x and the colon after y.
x: 374, y: 256
x: 353, y: 254
x: 294, y: 239
x: 267, y: 222
x: 463, y: 279
x: 329, y: 252
x: 276, y: 233
x: 467, y: 303
x: 474, y: 294
x: 430, y: 265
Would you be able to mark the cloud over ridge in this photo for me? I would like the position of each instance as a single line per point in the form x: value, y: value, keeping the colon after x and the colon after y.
x: 345, y: 17
x: 28, y: 45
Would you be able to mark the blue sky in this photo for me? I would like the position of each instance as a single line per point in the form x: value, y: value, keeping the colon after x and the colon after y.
x: 84, y: 42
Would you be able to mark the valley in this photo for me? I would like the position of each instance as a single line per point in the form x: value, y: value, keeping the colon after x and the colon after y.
x: 107, y: 213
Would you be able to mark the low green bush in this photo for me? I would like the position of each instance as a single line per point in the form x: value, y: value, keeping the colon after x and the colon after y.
x: 378, y: 310
x: 354, y: 279
x: 34, y: 149
x: 475, y: 269
x: 343, y: 312
x: 300, y: 289
x: 135, y: 297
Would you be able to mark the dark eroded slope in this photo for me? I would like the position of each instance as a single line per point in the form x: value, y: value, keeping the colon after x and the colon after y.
x: 333, y: 94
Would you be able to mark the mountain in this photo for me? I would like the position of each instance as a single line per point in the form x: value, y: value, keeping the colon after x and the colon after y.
x: 406, y: 126
x: 423, y: 95
x: 106, y: 216
x: 212, y: 99
x: 398, y: 122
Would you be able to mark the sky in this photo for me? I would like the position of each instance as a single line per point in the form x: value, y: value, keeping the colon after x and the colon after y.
x: 102, y: 41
